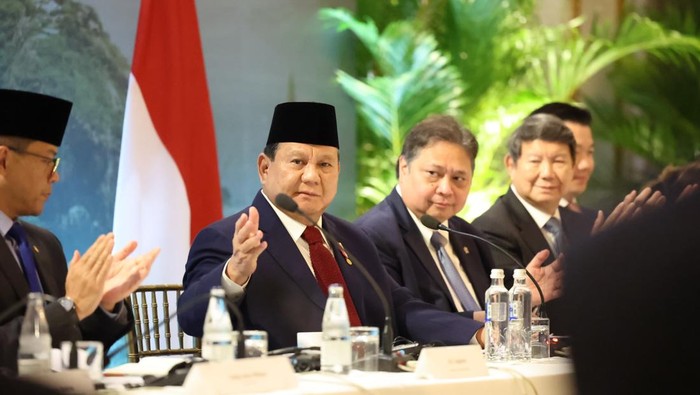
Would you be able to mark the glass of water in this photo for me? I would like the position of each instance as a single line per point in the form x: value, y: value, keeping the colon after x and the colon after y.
x: 540, y: 337
x: 255, y: 343
x: 365, y: 348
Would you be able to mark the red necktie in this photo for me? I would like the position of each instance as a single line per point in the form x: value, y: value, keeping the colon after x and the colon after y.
x: 327, y: 270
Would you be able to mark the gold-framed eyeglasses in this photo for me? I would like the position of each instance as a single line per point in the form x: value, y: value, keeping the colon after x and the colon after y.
x: 48, y: 160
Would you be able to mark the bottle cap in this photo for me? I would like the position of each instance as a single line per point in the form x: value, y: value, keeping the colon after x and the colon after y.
x: 335, y: 290
x: 519, y: 273
x: 497, y: 273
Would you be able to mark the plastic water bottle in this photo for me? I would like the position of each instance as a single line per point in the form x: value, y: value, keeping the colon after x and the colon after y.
x: 217, y: 342
x: 497, y: 318
x: 336, y: 347
x: 519, y: 320
x: 34, y: 354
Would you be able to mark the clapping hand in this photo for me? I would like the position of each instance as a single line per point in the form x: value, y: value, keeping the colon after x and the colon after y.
x: 126, y: 274
x: 632, y: 205
x: 550, y: 277
x: 87, y: 275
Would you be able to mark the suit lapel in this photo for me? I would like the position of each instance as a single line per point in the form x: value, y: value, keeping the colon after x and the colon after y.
x: 10, y: 270
x: 285, y: 253
x: 530, y: 233
x: 43, y: 263
x: 413, y: 238
x: 576, y: 225
x: 467, y: 252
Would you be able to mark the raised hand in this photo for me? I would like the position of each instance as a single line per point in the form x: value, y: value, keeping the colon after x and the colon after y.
x: 688, y: 190
x: 126, y: 275
x: 247, y: 246
x: 87, y: 275
x: 550, y: 277
x: 632, y: 205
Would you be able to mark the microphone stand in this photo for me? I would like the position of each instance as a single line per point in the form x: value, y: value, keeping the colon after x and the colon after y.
x: 387, y: 362
x: 240, y: 345
x: 432, y: 223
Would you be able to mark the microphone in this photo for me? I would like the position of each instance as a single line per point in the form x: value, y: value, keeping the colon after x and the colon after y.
x: 432, y: 223
x: 386, y: 359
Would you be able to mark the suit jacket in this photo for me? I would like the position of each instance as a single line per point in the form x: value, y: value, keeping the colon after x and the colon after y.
x: 63, y: 325
x: 587, y: 214
x: 408, y: 260
x: 508, y: 224
x: 282, y: 296
x: 631, y: 292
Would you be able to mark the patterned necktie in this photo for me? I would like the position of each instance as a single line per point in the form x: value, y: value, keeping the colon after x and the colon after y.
x: 553, y: 226
x: 327, y: 270
x: 26, y: 257
x: 453, y: 277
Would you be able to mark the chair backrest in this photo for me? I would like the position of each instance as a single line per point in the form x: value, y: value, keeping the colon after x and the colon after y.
x: 153, y: 329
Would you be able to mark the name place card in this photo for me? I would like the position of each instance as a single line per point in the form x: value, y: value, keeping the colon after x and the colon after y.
x: 247, y: 375
x: 451, y: 362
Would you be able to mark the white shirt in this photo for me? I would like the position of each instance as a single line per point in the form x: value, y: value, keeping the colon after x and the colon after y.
x: 427, y: 233
x: 540, y: 218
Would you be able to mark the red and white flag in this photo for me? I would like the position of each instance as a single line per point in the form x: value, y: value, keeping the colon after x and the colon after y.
x: 168, y: 184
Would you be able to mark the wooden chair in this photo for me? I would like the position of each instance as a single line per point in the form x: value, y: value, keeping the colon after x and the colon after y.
x: 153, y: 330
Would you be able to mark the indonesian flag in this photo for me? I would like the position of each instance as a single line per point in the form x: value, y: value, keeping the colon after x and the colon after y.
x: 168, y: 183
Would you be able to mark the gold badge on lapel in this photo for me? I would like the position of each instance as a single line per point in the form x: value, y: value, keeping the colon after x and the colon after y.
x: 36, y: 250
x: 344, y: 253
x: 466, y: 250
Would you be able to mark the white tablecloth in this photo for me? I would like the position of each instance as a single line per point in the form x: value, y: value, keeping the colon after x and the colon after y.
x: 553, y: 376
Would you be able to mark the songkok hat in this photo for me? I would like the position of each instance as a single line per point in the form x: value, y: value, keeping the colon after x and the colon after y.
x: 304, y: 122
x: 33, y: 116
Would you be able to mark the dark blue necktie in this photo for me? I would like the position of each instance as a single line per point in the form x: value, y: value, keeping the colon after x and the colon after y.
x: 553, y: 226
x: 26, y: 256
x: 453, y: 277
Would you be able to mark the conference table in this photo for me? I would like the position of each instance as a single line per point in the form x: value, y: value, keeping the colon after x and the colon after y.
x: 551, y: 376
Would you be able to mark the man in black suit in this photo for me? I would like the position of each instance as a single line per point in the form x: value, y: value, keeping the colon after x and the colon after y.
x: 578, y: 120
x: 527, y: 219
x: 264, y: 262
x: 91, y: 290
x: 434, y: 177
x: 631, y: 293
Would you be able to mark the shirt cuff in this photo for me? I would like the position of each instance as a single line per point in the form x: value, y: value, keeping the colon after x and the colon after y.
x: 117, y: 312
x: 232, y: 290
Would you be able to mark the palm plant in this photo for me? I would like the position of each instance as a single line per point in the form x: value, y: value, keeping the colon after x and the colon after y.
x: 564, y: 60
x: 485, y: 62
x: 414, y: 80
x: 654, y: 113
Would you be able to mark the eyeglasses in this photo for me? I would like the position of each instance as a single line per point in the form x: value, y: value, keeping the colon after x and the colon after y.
x: 49, y: 161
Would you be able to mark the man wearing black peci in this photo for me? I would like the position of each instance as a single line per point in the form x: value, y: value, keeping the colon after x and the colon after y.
x: 89, y: 291
x: 262, y: 256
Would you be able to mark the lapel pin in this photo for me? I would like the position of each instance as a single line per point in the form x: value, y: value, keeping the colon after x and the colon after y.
x: 344, y: 253
x: 36, y: 249
x: 466, y: 250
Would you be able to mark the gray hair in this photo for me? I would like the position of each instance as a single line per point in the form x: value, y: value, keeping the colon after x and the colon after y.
x: 541, y: 127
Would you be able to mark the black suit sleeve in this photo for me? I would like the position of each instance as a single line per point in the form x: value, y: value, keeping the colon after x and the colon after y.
x: 9, y: 340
